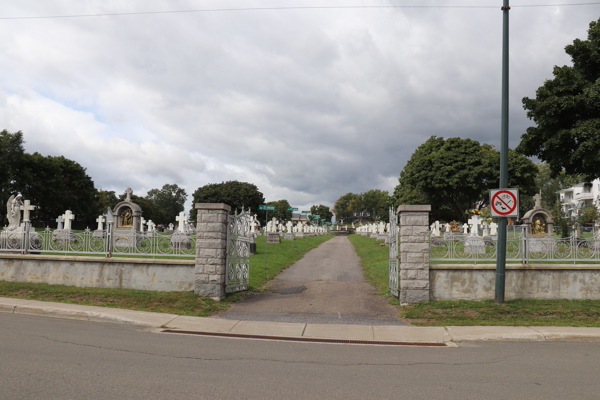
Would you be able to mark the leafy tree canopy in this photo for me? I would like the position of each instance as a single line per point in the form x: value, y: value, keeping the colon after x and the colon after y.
x: 233, y: 193
x: 456, y: 174
x: 281, y: 212
x: 170, y: 199
x: 346, y: 206
x: 549, y: 186
x: 567, y: 113
x: 107, y: 199
x: 322, y: 211
x: 57, y: 184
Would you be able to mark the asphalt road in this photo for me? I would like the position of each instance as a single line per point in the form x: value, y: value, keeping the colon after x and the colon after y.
x: 46, y: 358
x: 327, y: 286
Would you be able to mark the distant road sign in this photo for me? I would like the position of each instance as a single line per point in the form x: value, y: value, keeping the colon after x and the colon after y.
x: 292, y: 209
x: 316, y: 216
x: 504, y: 202
x: 268, y: 208
x: 305, y: 212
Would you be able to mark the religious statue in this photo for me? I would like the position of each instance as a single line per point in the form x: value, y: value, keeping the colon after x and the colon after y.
x: 539, y: 227
x: 455, y: 226
x: 13, y: 211
x: 126, y: 219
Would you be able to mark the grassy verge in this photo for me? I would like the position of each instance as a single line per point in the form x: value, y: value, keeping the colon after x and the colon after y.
x: 374, y: 259
x: 280, y: 256
x: 182, y: 303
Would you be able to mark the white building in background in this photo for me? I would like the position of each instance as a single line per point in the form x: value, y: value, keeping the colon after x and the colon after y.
x: 576, y: 197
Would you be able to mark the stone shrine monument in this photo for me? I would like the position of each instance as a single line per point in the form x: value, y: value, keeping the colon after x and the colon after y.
x: 539, y: 221
x: 127, y: 217
x: 539, y: 224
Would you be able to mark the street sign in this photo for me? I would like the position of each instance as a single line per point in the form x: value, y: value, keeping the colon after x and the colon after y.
x: 504, y: 202
x: 292, y: 209
x: 305, y: 212
x: 269, y: 208
x: 316, y: 216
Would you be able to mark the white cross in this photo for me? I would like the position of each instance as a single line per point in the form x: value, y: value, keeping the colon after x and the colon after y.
x: 26, y: 207
x: 142, y: 222
x: 466, y: 228
x: 100, y: 221
x: 181, y: 219
x: 128, y: 194
x: 493, y: 227
x: 474, y: 222
x: 150, y: 225
x: 59, y: 222
x: 68, y: 217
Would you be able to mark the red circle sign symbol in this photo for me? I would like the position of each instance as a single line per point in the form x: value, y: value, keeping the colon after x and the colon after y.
x: 504, y: 202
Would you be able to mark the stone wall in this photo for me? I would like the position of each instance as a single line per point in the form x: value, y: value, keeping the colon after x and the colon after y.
x: 413, y: 253
x: 117, y: 273
x: 534, y: 281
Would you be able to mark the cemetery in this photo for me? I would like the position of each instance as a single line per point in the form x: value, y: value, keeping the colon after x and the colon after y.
x: 126, y: 251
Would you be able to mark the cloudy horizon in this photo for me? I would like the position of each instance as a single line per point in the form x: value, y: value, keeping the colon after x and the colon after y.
x: 308, y: 104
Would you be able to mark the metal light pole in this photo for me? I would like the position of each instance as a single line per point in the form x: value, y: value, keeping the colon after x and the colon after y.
x: 501, y: 244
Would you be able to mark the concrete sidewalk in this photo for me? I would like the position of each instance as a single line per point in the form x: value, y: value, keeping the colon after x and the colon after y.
x: 364, y: 333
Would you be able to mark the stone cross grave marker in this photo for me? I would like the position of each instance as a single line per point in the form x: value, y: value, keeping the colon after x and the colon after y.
x: 181, y: 219
x: 68, y: 217
x: 142, y: 223
x: 465, y: 228
x: 474, y: 221
x: 486, y: 229
x: 448, y: 228
x: 128, y: 194
x: 26, y: 207
x: 59, y: 222
x: 100, y: 221
x: 435, y: 228
x: 493, y: 227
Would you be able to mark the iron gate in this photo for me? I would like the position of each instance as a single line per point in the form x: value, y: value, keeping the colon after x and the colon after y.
x: 238, y: 252
x: 392, y: 260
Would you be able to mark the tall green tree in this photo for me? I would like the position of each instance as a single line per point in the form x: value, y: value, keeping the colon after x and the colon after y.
x: 375, y: 203
x: 566, y: 110
x: 57, y: 184
x: 281, y: 212
x: 150, y: 210
x: 456, y: 174
x: 323, y: 211
x: 170, y: 199
x: 549, y: 186
x: 347, y: 207
x: 107, y: 199
x: 11, y: 154
x: 233, y: 193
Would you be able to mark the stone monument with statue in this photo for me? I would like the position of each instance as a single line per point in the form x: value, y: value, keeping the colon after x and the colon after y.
x: 127, y: 221
x: 539, y: 224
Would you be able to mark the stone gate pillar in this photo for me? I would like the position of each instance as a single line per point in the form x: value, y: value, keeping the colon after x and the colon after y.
x: 211, y: 249
x: 413, y: 253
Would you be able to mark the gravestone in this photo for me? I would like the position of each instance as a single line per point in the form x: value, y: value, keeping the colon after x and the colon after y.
x: 99, y: 232
x: 180, y: 238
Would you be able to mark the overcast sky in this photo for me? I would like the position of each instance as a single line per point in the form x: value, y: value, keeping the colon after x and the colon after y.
x: 308, y: 104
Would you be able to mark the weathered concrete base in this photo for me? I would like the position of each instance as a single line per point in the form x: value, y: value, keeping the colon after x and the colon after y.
x: 289, y: 236
x: 299, y: 235
x: 273, y: 238
x: 118, y: 273
x: 535, y: 281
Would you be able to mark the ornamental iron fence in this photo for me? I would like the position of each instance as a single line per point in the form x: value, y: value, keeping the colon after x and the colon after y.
x: 521, y: 248
x: 106, y: 242
x: 238, y: 252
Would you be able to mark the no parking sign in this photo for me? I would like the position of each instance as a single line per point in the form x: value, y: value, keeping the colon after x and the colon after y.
x: 504, y: 202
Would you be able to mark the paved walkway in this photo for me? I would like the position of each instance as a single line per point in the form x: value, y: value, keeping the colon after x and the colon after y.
x: 366, y: 333
x: 326, y: 286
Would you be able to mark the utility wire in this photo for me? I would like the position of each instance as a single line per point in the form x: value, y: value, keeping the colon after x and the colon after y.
x: 284, y: 8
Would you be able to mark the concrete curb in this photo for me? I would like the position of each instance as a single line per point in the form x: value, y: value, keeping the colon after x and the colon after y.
x: 366, y: 333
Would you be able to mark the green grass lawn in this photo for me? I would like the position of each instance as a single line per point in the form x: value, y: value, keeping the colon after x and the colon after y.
x: 280, y: 256
x: 374, y: 259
